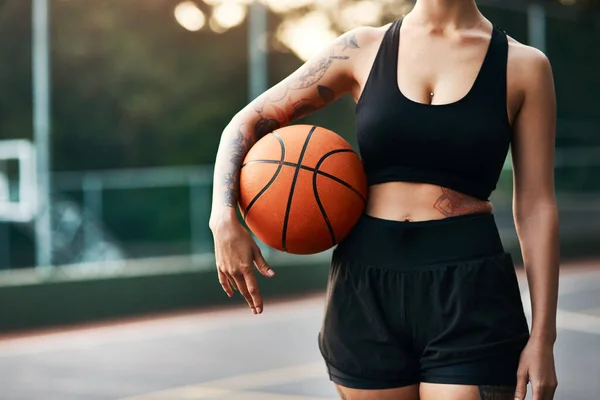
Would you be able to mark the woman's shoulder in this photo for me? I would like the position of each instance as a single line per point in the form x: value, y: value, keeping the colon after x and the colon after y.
x: 529, y: 70
x: 367, y: 40
x: 367, y: 36
x: 525, y: 59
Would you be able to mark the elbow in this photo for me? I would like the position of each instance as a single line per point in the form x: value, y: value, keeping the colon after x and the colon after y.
x: 245, y: 122
x: 526, y: 206
x: 242, y: 124
x: 532, y: 214
x: 236, y: 121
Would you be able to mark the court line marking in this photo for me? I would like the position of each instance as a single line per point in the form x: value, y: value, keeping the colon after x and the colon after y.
x: 184, y: 393
x: 571, y: 284
x: 582, y: 282
x: 578, y: 322
x: 241, y: 382
x: 595, y: 312
x: 167, y: 327
x: 572, y: 321
x: 174, y: 326
x: 275, y: 396
x: 213, y: 394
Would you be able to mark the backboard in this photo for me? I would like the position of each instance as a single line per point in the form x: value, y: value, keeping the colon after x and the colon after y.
x: 18, y: 194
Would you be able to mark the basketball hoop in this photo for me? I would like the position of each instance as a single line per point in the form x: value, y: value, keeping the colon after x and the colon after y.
x: 4, y: 190
x: 20, y: 207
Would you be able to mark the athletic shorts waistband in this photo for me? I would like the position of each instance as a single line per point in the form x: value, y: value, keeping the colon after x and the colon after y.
x: 412, y: 245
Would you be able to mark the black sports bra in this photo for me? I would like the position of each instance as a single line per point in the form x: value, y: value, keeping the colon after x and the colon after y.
x: 460, y: 146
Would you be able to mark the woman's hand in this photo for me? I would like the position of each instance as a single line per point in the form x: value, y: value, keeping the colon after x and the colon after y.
x: 236, y: 255
x: 537, y: 366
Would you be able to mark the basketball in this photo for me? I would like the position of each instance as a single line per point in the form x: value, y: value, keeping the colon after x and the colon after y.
x: 302, y: 189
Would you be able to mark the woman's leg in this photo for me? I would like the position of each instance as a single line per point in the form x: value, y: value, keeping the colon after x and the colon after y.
x: 492, y: 378
x: 434, y: 391
x: 468, y: 319
x: 404, y: 393
x: 476, y: 354
x: 368, y: 353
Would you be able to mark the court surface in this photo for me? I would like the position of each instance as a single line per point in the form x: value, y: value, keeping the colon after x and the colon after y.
x: 234, y: 355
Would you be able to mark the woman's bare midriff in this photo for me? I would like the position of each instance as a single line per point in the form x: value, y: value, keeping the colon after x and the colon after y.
x: 408, y: 201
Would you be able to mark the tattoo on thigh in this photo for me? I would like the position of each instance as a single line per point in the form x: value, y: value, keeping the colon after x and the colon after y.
x: 341, y: 393
x: 497, y: 392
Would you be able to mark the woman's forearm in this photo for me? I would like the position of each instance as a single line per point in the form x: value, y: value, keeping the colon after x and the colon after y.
x: 537, y: 228
x: 237, y: 139
x: 243, y: 131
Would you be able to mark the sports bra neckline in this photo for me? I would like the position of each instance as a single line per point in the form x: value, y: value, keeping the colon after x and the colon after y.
x: 396, y: 54
x: 384, y: 47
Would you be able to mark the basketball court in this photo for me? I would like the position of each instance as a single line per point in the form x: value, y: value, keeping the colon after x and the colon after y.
x: 234, y: 355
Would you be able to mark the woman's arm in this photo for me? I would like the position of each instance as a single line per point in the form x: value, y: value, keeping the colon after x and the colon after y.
x: 534, y: 200
x: 319, y: 82
x: 536, y: 216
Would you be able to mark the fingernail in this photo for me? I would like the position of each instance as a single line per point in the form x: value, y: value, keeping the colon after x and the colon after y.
x: 270, y: 272
x: 258, y: 310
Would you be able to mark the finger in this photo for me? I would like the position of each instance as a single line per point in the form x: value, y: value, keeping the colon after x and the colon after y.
x: 233, y: 285
x: 243, y: 289
x: 225, y: 283
x: 521, y: 390
x: 537, y: 391
x: 552, y: 390
x: 261, y: 264
x: 254, y: 292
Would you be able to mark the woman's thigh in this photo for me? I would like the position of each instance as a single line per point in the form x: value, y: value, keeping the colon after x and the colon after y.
x: 403, y: 393
x: 433, y: 391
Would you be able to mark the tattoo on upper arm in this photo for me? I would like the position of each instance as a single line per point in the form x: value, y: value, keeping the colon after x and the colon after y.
x: 496, y: 392
x: 274, y: 114
x: 278, y: 108
x: 266, y: 125
x: 315, y: 71
x: 303, y: 108
x: 350, y: 42
x: 326, y: 94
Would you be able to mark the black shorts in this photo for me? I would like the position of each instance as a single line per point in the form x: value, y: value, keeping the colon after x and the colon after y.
x: 433, y: 301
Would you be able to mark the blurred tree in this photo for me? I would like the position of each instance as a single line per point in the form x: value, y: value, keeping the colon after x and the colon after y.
x: 131, y: 87
x: 15, y: 70
x: 146, y: 91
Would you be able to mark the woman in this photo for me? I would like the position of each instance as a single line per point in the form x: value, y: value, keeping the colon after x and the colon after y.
x: 423, y: 302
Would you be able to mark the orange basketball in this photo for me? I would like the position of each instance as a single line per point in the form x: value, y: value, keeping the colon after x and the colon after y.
x: 302, y: 189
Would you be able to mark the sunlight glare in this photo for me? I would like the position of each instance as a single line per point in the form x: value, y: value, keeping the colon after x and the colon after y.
x: 307, y: 35
x: 283, y: 6
x: 229, y: 14
x: 362, y: 13
x: 189, y: 16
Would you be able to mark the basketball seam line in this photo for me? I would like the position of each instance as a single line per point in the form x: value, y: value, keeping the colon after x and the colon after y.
x: 306, y: 168
x: 264, y: 189
x: 316, y: 193
x: 293, y: 187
